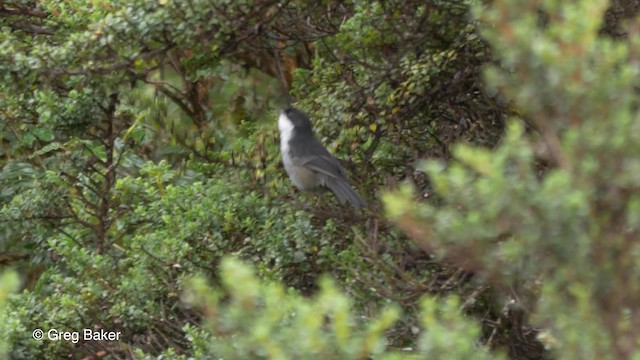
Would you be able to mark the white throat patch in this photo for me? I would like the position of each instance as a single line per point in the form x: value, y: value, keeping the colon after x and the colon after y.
x: 286, y: 132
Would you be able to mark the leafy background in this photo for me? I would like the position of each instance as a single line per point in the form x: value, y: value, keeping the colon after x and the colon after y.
x: 142, y: 192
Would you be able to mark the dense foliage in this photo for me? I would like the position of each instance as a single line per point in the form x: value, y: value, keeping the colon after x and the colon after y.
x: 141, y: 189
x: 564, y: 243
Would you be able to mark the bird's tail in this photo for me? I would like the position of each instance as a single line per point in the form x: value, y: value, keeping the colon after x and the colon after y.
x: 345, y: 193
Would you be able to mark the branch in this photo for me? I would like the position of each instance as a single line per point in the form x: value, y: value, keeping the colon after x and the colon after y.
x: 31, y: 28
x: 112, y: 68
x: 22, y: 11
x: 174, y: 95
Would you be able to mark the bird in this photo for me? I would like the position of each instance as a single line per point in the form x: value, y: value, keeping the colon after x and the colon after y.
x: 308, y: 163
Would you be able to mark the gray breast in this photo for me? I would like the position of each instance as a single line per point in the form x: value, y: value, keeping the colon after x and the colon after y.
x: 303, y: 178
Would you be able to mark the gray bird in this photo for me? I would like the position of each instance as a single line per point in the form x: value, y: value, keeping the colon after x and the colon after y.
x: 307, y: 162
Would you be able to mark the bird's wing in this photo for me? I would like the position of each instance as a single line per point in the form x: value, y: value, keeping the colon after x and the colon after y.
x: 310, y: 153
x: 327, y: 165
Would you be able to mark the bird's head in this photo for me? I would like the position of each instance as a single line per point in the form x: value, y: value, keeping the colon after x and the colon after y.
x: 292, y: 119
